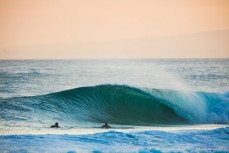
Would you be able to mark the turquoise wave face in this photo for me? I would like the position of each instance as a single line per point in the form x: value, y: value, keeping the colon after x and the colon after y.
x: 119, y: 104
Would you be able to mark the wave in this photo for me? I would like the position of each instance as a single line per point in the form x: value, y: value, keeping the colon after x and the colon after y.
x: 121, y: 104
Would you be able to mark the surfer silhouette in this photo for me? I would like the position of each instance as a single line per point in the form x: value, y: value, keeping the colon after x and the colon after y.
x: 106, y: 126
x: 55, y: 125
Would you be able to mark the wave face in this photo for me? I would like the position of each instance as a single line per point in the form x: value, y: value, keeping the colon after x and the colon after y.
x: 120, y: 104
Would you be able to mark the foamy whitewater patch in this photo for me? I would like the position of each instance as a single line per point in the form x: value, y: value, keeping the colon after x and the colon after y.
x: 194, y: 140
x: 116, y: 128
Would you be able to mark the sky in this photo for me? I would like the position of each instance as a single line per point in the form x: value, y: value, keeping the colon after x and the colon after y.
x: 88, y: 29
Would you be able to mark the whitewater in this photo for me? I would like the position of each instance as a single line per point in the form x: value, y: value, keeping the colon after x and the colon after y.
x: 177, y: 105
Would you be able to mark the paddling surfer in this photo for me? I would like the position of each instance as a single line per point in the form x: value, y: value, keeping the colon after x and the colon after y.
x: 55, y: 125
x: 106, y: 126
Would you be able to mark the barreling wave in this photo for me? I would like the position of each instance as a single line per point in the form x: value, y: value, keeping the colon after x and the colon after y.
x: 121, y: 104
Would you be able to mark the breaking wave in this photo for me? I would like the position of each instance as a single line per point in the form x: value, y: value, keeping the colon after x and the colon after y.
x: 120, y: 104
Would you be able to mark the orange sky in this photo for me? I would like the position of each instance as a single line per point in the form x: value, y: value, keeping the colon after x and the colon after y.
x: 113, y: 29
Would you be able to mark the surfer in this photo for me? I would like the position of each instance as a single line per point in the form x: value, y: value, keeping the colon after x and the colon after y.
x: 55, y: 125
x: 106, y: 126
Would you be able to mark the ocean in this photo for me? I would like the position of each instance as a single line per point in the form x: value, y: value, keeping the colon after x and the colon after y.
x: 152, y: 105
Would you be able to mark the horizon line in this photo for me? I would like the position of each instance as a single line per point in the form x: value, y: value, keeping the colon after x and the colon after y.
x: 170, y: 58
